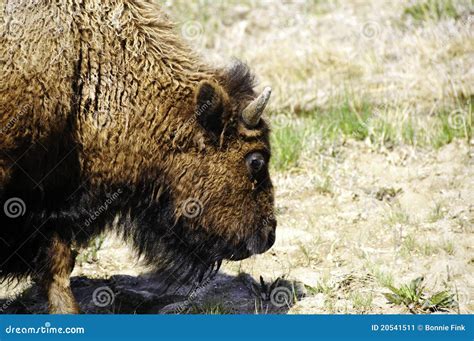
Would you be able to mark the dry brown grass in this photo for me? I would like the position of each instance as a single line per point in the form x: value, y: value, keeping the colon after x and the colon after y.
x: 315, y: 52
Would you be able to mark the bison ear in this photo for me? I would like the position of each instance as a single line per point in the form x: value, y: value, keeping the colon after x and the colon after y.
x: 210, y: 99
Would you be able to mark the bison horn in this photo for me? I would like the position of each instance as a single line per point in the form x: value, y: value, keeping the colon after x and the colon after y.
x: 252, y: 113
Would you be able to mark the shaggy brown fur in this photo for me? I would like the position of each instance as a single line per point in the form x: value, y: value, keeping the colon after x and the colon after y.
x: 104, y: 98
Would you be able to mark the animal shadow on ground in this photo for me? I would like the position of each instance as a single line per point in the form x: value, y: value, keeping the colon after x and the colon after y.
x: 123, y: 294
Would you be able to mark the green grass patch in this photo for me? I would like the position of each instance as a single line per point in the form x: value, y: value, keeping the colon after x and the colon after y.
x: 293, y: 136
x: 411, y: 246
x: 431, y: 10
x: 287, y: 145
x: 451, y: 125
x: 409, y: 133
x: 362, y: 302
x: 348, y: 119
x: 383, y: 133
x: 289, y: 134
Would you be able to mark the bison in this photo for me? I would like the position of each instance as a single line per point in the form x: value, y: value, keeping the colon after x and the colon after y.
x: 109, y: 121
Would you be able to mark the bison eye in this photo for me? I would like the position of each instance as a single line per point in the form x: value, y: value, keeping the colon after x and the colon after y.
x: 255, y: 162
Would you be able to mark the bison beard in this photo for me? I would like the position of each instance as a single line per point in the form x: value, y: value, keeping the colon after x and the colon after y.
x: 175, y: 129
x: 181, y: 255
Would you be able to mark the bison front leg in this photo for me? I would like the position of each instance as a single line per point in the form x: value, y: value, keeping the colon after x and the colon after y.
x: 56, y: 278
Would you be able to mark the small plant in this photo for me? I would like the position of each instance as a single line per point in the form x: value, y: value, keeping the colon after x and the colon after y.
x: 397, y: 216
x: 428, y: 249
x: 280, y: 293
x: 383, y: 278
x: 308, y: 255
x: 324, y: 186
x: 263, y: 290
x: 320, y: 288
x: 362, y: 302
x: 409, y: 245
x: 437, y: 213
x: 448, y: 247
x: 414, y: 298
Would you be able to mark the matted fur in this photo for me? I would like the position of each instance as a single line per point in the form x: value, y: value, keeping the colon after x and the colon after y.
x: 100, y: 98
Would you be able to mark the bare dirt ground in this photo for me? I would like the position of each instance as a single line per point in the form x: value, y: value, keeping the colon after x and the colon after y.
x: 386, y: 217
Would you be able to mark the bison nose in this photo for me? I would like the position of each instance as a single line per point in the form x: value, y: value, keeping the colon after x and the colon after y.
x: 271, y: 234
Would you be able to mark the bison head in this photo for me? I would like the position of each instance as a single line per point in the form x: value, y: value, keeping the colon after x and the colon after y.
x: 221, y: 188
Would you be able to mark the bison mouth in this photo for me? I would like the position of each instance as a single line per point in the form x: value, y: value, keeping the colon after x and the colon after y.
x: 195, y: 255
x: 187, y: 253
x: 256, y: 244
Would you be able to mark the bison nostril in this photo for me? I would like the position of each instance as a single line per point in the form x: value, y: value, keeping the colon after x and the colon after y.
x: 257, y: 164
